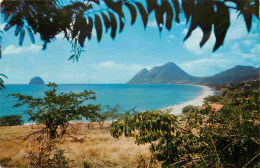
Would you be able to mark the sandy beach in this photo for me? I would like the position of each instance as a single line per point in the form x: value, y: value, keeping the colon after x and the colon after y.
x: 198, y: 101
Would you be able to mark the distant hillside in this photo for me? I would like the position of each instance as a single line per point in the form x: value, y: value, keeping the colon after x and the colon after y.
x: 171, y: 73
x: 36, y: 81
x: 236, y: 74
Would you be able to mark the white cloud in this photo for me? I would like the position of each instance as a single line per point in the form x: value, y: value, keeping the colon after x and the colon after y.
x: 11, y: 49
x: 2, y: 25
x: 110, y: 65
x: 248, y: 42
x: 192, y: 43
x: 171, y: 37
x: 106, y: 64
x: 238, y: 30
x: 201, y: 67
x: 237, y: 27
x: 183, y: 22
x: 236, y: 50
x: 60, y: 35
x: 152, y: 24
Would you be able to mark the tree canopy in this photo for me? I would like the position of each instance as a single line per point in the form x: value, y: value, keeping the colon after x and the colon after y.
x: 56, y: 110
x: 78, y: 18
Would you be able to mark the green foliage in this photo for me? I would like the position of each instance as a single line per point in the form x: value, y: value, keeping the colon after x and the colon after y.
x: 112, y: 113
x: 188, y: 109
x: 2, y: 86
x: 56, y: 110
x: 49, y: 156
x: 11, y: 120
x: 204, y: 138
x: 213, y: 99
x: 77, y: 19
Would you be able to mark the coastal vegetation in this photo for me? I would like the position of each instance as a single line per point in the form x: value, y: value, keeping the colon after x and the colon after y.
x: 204, y: 137
x: 201, y: 137
x: 55, y: 111
x: 11, y: 120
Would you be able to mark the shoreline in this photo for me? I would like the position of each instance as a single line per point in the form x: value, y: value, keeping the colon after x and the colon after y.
x: 197, y: 101
x: 177, y: 108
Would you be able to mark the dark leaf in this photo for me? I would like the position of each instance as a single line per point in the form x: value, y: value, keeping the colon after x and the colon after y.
x: 159, y: 17
x: 115, y: 6
x: 193, y: 26
x: 187, y: 6
x: 106, y: 21
x: 76, y: 27
x: 205, y: 19
x: 151, y: 5
x: 206, y: 34
x: 98, y: 26
x: 169, y: 14
x: 31, y: 35
x: 221, y: 24
x: 7, y: 27
x: 122, y: 23
x: 95, y: 1
x: 17, y: 30
x: 89, y: 27
x: 248, y: 20
x: 21, y: 38
x: 143, y: 13
x: 4, y: 75
x: 113, y: 24
x: 132, y: 11
x: 177, y: 10
x: 84, y: 33
x: 71, y: 57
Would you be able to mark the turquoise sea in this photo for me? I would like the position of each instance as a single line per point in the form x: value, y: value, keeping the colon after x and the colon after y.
x: 143, y: 97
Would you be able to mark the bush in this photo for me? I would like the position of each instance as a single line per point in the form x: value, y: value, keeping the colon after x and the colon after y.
x: 187, y: 109
x: 56, y: 110
x: 49, y: 156
x: 11, y: 120
x: 227, y: 138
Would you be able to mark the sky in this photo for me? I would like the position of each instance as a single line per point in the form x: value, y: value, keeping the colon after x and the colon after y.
x: 117, y: 61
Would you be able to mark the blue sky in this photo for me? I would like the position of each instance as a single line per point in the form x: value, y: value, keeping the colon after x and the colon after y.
x: 116, y: 61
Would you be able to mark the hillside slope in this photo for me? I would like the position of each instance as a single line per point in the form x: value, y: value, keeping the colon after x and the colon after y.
x: 170, y: 73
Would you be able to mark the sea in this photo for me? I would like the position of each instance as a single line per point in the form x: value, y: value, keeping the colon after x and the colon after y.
x: 140, y: 97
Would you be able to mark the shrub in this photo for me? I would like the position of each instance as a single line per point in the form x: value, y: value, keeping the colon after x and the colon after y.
x: 11, y: 120
x: 187, y: 109
x: 227, y: 138
x: 49, y: 156
x: 56, y: 110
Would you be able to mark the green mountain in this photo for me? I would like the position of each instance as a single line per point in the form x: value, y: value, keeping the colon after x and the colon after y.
x: 236, y: 74
x: 36, y: 81
x: 171, y: 73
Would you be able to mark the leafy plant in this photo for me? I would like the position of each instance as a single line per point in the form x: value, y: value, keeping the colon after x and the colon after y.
x: 2, y: 86
x: 56, y: 110
x: 187, y: 109
x: 77, y: 19
x: 11, y: 120
x: 49, y: 156
x: 204, y: 138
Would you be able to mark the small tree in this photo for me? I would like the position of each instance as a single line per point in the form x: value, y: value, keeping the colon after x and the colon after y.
x: 56, y: 110
x: 113, y: 112
x: 11, y: 120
